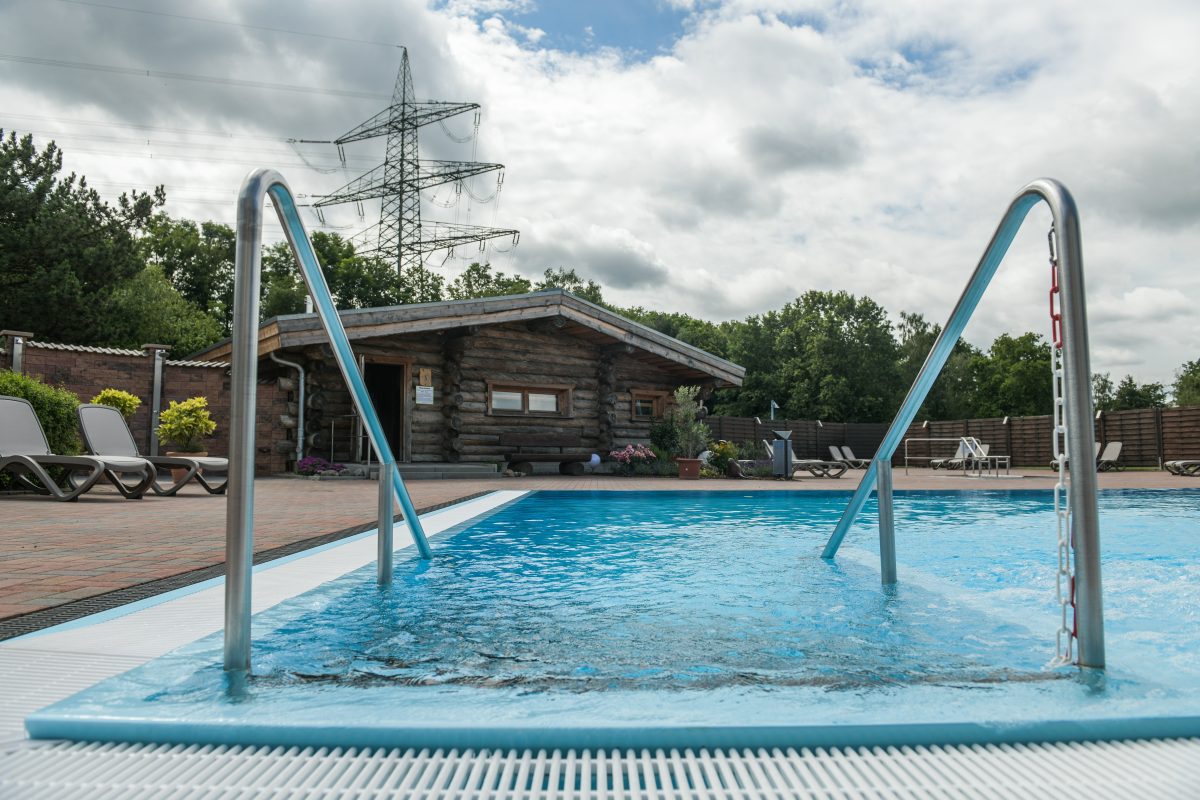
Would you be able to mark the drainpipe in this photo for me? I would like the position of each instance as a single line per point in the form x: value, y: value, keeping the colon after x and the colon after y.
x: 16, y: 347
x: 300, y: 403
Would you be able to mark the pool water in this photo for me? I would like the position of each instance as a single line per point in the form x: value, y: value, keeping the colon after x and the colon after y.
x: 619, y: 618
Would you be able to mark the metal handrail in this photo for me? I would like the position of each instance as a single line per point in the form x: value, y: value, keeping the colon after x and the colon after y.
x: 239, y: 520
x: 1085, y: 520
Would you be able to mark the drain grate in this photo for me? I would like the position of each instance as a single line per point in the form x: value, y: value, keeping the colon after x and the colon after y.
x: 1158, y: 769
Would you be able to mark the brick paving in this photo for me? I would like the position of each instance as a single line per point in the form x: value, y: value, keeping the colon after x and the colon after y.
x: 53, y: 554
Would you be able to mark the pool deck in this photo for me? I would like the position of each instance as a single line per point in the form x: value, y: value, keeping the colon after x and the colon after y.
x: 60, y: 561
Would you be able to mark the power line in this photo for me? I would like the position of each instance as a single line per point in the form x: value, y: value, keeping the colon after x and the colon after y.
x: 231, y: 24
x: 134, y: 126
x: 182, y: 76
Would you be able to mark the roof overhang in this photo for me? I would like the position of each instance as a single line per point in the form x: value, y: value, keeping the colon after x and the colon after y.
x: 298, y: 330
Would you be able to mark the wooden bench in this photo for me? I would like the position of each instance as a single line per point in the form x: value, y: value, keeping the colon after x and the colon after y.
x: 521, y: 459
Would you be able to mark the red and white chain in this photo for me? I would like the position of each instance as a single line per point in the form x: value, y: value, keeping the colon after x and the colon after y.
x: 1065, y: 578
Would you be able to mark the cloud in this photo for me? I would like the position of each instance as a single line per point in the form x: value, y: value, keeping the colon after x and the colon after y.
x: 777, y: 147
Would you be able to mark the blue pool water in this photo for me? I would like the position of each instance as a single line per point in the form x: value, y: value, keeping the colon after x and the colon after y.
x: 623, y: 619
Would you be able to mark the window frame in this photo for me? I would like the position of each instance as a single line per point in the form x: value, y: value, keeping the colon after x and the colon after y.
x: 659, y: 399
x: 564, y: 392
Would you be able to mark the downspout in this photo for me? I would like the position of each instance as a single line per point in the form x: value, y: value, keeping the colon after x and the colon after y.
x: 300, y: 403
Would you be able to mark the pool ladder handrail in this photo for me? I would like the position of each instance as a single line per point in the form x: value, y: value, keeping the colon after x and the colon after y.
x: 239, y: 518
x: 1085, y: 516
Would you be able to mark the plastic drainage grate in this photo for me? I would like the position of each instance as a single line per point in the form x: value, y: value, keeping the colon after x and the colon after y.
x: 1158, y: 769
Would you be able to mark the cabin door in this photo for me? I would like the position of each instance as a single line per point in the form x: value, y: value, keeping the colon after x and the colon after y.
x: 388, y: 386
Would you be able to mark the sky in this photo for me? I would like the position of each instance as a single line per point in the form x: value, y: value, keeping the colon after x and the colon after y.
x: 716, y: 157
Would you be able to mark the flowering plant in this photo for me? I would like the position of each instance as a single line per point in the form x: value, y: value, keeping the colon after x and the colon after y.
x: 315, y: 465
x: 631, y: 456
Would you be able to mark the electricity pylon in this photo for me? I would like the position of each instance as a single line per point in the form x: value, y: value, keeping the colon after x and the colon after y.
x: 399, y: 180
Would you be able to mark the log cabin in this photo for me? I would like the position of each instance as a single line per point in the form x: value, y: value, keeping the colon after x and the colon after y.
x: 491, y: 382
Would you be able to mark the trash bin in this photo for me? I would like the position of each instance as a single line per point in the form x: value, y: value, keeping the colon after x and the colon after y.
x: 781, y: 455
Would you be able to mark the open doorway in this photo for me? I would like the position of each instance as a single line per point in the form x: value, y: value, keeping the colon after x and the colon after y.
x: 387, y: 385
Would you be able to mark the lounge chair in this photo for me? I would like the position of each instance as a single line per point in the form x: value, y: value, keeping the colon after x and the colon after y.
x: 1107, y: 460
x: 818, y: 468
x: 1186, y: 466
x: 105, y: 433
x: 1095, y: 456
x: 958, y: 460
x: 849, y: 457
x: 25, y: 452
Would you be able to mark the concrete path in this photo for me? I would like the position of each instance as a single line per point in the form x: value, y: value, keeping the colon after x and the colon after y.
x: 52, y: 554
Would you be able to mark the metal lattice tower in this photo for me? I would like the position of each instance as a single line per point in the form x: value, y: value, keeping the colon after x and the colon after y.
x: 399, y: 180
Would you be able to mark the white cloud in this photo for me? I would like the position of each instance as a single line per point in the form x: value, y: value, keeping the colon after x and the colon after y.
x: 777, y: 147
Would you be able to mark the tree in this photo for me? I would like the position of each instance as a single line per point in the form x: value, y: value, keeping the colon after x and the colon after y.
x: 954, y: 393
x: 698, y: 332
x: 478, y: 280
x: 1014, y: 378
x: 354, y: 280
x: 198, y: 260
x: 148, y: 309
x: 1187, y: 384
x: 61, y: 246
x: 568, y: 280
x: 1131, y: 395
x: 1103, y: 391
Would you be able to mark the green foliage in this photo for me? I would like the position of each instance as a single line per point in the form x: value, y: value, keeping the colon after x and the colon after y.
x: 1187, y: 384
x: 568, y: 280
x: 198, y: 260
x: 354, y: 280
x: 721, y: 456
x: 185, y: 423
x: 663, y: 437
x: 1130, y: 395
x: 55, y: 409
x: 826, y: 355
x: 700, y: 333
x: 691, y: 435
x: 955, y: 392
x: 61, y: 246
x: 1104, y: 393
x: 1014, y: 379
x: 478, y: 280
x: 148, y: 309
x: 119, y: 399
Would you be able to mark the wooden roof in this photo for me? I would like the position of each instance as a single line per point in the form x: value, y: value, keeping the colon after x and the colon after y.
x: 570, y: 313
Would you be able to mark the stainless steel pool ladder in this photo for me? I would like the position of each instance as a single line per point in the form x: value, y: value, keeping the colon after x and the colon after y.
x: 1085, y: 519
x: 239, y: 520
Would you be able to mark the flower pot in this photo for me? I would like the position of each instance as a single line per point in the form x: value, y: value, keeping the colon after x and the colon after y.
x: 689, y: 468
x: 178, y: 473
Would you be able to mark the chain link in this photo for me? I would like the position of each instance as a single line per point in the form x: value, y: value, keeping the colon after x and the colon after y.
x: 1064, y: 578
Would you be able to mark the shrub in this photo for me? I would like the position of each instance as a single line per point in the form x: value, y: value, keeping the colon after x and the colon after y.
x: 314, y: 465
x: 121, y: 400
x: 55, y: 409
x: 707, y: 471
x: 663, y: 436
x: 721, y: 456
x: 185, y: 423
x: 631, y: 456
x: 691, y: 434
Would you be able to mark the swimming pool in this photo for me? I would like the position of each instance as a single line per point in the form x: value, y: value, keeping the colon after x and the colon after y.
x: 700, y: 618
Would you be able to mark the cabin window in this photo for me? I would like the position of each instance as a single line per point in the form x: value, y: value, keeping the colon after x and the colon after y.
x: 542, y: 401
x: 648, y: 404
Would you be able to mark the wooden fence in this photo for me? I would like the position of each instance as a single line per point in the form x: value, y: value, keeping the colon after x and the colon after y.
x: 1148, y: 436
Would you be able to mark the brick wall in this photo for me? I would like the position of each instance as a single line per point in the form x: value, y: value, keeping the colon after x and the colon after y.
x: 87, y: 370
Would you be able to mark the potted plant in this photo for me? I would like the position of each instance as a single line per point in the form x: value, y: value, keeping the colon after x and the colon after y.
x: 183, y: 424
x: 119, y: 399
x: 691, y: 434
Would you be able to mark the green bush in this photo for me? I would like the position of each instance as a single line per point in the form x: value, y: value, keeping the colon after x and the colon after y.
x: 721, y: 455
x: 185, y: 423
x: 119, y: 399
x: 664, y: 438
x: 55, y: 409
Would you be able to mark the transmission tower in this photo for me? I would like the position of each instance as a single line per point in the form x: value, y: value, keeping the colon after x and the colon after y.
x: 398, y: 181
